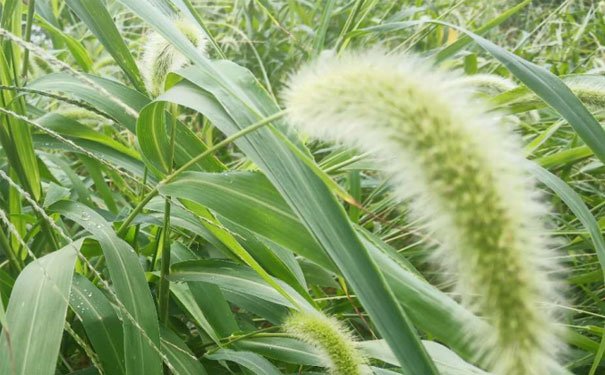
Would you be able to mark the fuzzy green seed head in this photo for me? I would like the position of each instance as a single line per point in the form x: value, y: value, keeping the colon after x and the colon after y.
x: 464, y: 174
x: 590, y: 89
x: 601, y: 7
x: 160, y: 57
x: 331, y: 338
x: 489, y: 83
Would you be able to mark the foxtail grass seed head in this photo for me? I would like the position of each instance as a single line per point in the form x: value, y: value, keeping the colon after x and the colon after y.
x: 160, y: 57
x: 332, y: 340
x: 489, y: 83
x: 590, y: 89
x: 464, y: 174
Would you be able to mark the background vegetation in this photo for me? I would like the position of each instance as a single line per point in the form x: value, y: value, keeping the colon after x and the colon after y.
x: 183, y: 230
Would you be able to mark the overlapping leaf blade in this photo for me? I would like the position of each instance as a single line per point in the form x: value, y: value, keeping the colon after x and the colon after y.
x: 249, y: 200
x: 31, y: 336
x: 304, y: 191
x: 141, y: 330
x: 101, y: 322
x: 96, y: 16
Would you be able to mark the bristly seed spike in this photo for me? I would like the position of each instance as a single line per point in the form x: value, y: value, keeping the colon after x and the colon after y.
x: 160, y: 57
x: 464, y: 174
x: 331, y: 338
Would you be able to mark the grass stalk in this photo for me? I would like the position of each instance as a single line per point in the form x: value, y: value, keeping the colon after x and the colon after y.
x: 7, y: 249
x: 31, y: 7
x: 164, y: 289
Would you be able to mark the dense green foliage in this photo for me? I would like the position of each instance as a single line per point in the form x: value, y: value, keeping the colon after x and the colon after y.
x: 159, y: 213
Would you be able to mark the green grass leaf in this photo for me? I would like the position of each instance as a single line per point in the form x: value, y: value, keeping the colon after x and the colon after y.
x: 95, y: 15
x: 253, y: 362
x: 142, y: 343
x: 35, y: 316
x: 101, y: 323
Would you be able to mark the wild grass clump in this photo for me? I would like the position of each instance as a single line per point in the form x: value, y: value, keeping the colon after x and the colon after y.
x: 179, y: 226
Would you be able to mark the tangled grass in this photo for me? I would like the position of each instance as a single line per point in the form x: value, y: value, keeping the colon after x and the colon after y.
x: 280, y: 187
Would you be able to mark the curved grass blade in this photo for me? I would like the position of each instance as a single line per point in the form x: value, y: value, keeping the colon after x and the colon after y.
x: 183, y: 296
x: 237, y: 278
x: 447, y: 361
x: 74, y: 129
x: 65, y: 83
x: 128, y: 280
x: 15, y: 135
x: 183, y: 360
x: 109, y: 154
x: 101, y: 323
x: 577, y: 206
x: 283, y: 349
x: 95, y: 15
x: 252, y: 361
x: 76, y: 48
x: 35, y: 317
